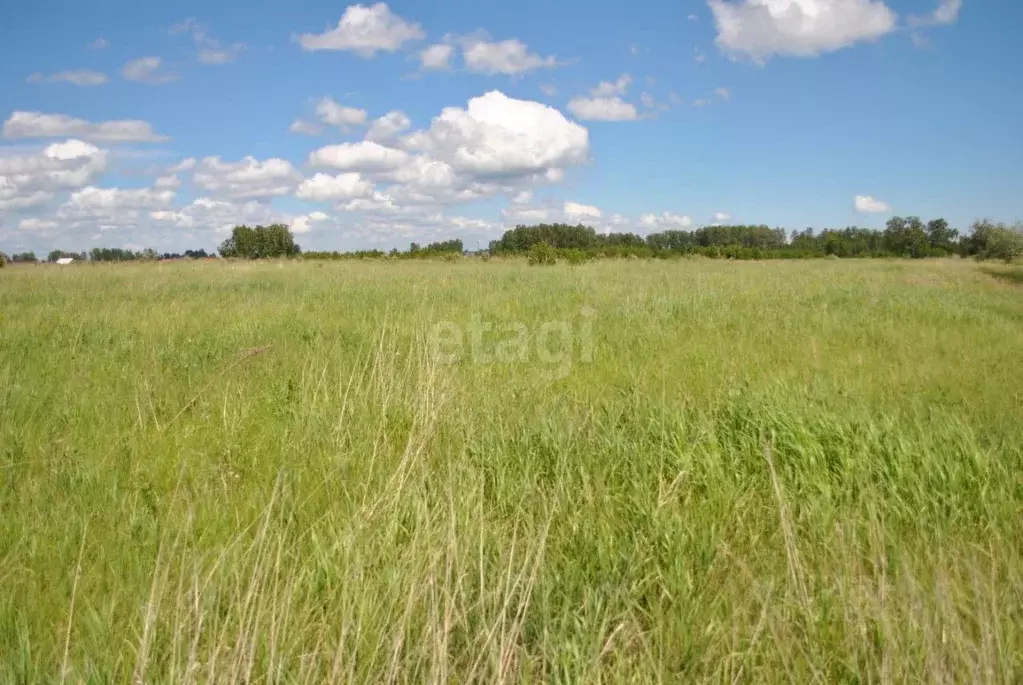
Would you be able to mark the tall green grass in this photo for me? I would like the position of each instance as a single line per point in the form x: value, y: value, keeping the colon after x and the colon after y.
x: 796, y: 472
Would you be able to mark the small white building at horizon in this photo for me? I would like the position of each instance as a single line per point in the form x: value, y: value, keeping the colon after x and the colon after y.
x: 64, y: 261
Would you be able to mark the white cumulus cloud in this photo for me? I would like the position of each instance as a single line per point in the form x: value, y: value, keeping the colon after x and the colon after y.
x: 388, y: 126
x: 509, y: 57
x: 40, y: 125
x: 422, y: 172
x: 579, y: 212
x: 344, y: 186
x: 665, y: 220
x: 70, y: 149
x: 396, y: 184
x: 365, y: 31
x: 246, y: 178
x: 502, y: 136
x: 113, y: 207
x: 219, y: 216
x: 92, y: 198
x: 800, y: 28
x: 333, y: 114
x: 436, y: 57
x: 303, y: 223
x: 602, y: 109
x: 28, y: 181
x: 362, y: 156
x: 865, y: 204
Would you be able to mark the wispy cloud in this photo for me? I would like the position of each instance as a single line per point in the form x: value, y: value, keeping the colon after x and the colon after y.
x: 78, y: 77
x: 148, y: 70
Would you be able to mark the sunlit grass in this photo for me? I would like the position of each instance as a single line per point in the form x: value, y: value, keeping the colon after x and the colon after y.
x: 262, y: 473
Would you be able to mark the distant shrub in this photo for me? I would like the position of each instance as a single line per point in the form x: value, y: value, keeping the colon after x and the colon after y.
x: 573, y: 256
x: 542, y: 254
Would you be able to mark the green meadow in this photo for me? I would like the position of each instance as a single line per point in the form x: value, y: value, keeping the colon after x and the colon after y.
x: 451, y: 472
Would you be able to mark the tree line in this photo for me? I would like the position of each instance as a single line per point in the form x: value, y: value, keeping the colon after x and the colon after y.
x: 449, y: 249
x: 106, y: 254
x: 902, y: 237
x: 905, y: 237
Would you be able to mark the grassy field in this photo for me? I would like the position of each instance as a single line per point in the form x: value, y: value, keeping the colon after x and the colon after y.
x: 642, y: 472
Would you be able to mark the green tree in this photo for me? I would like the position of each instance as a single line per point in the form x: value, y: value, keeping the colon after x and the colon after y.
x: 940, y: 236
x: 988, y: 240
x: 672, y: 241
x: 522, y: 238
x: 261, y: 242
x: 906, y: 237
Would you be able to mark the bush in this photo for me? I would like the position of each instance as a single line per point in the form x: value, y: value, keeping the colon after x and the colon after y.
x: 995, y: 241
x: 542, y: 254
x: 1005, y: 244
x: 573, y: 256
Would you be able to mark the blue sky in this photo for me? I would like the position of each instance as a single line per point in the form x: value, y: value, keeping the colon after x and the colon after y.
x: 163, y: 124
